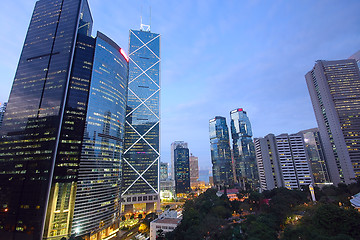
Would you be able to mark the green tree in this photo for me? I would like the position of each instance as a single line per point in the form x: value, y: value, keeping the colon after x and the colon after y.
x: 160, y: 234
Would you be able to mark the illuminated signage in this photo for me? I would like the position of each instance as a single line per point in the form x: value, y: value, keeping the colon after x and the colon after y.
x: 124, y: 54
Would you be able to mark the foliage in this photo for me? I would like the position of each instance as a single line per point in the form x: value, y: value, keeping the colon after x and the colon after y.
x: 143, y: 228
x: 342, y: 193
x: 269, y: 220
x: 160, y: 234
x: 149, y: 218
x: 289, y: 215
x: 326, y: 221
x: 203, y: 217
x: 72, y: 237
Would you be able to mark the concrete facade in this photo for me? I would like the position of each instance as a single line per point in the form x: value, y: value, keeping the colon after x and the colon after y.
x: 334, y: 88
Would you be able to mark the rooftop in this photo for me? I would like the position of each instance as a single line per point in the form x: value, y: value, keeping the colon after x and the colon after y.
x: 168, y: 220
x: 356, y: 201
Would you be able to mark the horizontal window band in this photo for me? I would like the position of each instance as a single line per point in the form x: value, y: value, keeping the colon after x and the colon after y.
x: 44, y: 55
x: 108, y: 136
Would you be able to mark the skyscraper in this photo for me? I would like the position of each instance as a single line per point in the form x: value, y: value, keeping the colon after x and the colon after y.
x: 142, y: 128
x: 164, y: 173
x: 2, y: 112
x: 99, y: 178
x: 270, y: 175
x: 182, y: 170
x: 220, y: 152
x: 293, y: 162
x: 167, y: 185
x: 51, y: 171
x: 356, y: 56
x: 194, y: 168
x: 173, y: 147
x: 243, y: 148
x: 315, y: 154
x: 334, y: 88
x: 282, y: 162
x: 33, y: 121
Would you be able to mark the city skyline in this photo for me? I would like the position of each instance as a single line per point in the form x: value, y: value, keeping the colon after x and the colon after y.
x: 248, y: 44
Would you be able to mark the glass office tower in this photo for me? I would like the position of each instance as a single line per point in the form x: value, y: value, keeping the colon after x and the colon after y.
x: 97, y: 202
x: 31, y: 130
x: 164, y: 173
x: 174, y: 145
x: 182, y: 170
x: 220, y: 152
x: 2, y: 112
x: 142, y: 128
x: 315, y: 153
x: 45, y: 163
x: 244, y: 150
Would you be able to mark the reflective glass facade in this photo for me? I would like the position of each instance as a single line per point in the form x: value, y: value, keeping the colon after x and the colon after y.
x: 243, y: 149
x: 31, y: 129
x: 164, y: 171
x: 316, y: 157
x: 174, y: 145
x: 142, y: 137
x: 220, y: 152
x: 182, y: 170
x: 97, y: 203
x: 61, y: 141
x: 63, y: 189
x: 334, y: 88
x: 2, y: 112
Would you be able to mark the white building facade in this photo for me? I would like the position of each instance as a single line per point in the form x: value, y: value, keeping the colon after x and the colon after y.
x: 282, y: 162
x: 167, y: 222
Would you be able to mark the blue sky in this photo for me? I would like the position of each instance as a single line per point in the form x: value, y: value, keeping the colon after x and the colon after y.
x: 218, y: 56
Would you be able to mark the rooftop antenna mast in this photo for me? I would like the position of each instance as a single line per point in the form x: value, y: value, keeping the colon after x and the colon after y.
x: 144, y: 27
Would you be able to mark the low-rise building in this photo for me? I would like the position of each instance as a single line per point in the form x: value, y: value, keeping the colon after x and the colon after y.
x: 355, y: 201
x: 167, y: 190
x: 232, y: 194
x: 167, y: 222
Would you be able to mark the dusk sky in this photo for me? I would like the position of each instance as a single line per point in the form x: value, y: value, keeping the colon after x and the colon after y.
x: 217, y: 56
